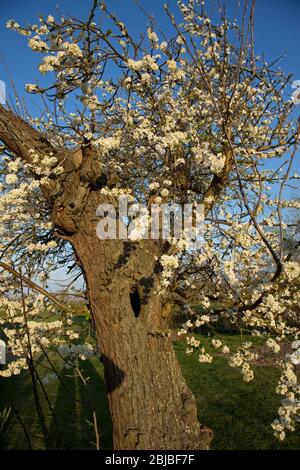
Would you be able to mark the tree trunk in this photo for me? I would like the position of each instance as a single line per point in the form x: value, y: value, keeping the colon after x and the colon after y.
x: 150, y: 403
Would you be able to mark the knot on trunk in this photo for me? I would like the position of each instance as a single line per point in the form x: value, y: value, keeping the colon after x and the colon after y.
x: 63, y: 220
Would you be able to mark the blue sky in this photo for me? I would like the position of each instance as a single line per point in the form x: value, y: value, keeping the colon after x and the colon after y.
x: 277, y: 30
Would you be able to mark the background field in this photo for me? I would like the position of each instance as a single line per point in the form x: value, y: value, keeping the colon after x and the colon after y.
x: 240, y: 414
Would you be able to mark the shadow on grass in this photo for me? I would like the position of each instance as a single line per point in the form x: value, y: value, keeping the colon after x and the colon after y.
x: 97, y: 401
x: 73, y: 427
x: 16, y: 391
x: 74, y: 407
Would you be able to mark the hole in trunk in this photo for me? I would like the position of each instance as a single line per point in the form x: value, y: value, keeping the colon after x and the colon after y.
x: 135, y: 301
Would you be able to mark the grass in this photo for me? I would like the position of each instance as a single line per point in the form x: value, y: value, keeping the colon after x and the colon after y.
x: 240, y: 414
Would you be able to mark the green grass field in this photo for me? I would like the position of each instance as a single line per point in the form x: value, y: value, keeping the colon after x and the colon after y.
x: 240, y: 414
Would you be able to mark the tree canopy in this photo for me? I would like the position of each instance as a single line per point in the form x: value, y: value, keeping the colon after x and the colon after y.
x: 195, y: 117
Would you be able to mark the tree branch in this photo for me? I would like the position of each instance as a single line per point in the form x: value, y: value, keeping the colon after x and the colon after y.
x: 20, y: 137
x: 34, y: 286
